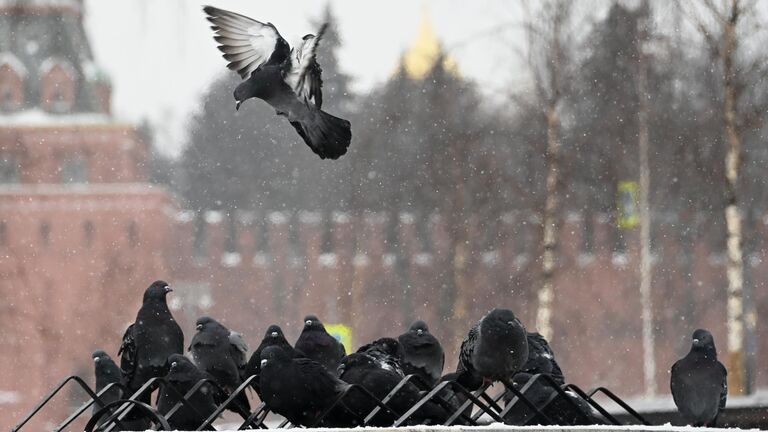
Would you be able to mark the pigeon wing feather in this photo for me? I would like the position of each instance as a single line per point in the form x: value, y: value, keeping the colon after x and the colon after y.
x: 247, y: 44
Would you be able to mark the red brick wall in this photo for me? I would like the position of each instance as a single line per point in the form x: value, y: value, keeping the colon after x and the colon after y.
x: 11, y: 88
x: 65, y: 298
x: 113, y: 152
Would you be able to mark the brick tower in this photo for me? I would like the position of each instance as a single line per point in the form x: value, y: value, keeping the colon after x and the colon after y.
x: 82, y: 232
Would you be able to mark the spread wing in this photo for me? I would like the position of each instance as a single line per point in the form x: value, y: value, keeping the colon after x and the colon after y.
x: 305, y: 74
x: 127, y: 353
x: 247, y: 44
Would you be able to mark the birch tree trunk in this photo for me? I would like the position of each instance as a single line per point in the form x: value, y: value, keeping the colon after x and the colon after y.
x: 735, y: 266
x: 546, y: 292
x: 646, y: 271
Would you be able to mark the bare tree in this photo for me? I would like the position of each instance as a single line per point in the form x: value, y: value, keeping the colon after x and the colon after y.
x: 546, y: 60
x: 646, y: 305
x: 719, y: 23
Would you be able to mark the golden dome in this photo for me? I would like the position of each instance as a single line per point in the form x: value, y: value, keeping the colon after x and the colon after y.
x: 419, y: 59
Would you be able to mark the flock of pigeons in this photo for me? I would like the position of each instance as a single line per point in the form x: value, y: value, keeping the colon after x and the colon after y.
x: 301, y: 382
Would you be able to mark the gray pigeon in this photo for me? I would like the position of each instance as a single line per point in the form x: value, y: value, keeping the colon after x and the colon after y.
x: 300, y: 389
x: 183, y: 375
x: 422, y: 353
x: 494, y: 350
x: 106, y: 372
x: 289, y: 79
x: 221, y: 353
x: 698, y: 382
x: 318, y: 345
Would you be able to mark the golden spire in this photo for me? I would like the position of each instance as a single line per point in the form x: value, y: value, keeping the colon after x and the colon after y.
x: 419, y: 59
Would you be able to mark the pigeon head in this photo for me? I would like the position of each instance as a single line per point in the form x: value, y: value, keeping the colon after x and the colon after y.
x: 179, y: 364
x: 274, y: 331
x: 311, y: 322
x: 205, y: 322
x: 157, y: 291
x: 242, y: 92
x: 274, y: 355
x: 355, y: 360
x: 384, y: 345
x: 501, y: 321
x: 520, y: 379
x: 703, y: 340
x: 419, y: 327
x: 100, y: 356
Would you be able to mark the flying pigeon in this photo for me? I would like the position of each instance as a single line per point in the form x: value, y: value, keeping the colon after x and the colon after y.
x: 288, y: 79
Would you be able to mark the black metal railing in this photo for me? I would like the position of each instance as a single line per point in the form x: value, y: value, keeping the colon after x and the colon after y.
x: 463, y: 407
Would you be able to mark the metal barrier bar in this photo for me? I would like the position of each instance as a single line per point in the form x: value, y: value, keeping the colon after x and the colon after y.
x: 593, y: 403
x: 224, y: 405
x: 262, y: 411
x: 121, y: 402
x: 620, y: 402
x: 47, y: 398
x: 87, y: 405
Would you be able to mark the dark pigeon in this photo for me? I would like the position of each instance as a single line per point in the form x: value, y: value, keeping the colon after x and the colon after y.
x: 698, y: 382
x: 183, y: 375
x: 272, y: 337
x: 318, y: 345
x: 386, y: 352
x: 494, y: 350
x: 300, y: 389
x: 106, y: 372
x: 150, y: 340
x: 541, y: 359
x: 574, y: 411
x: 368, y: 372
x: 289, y: 79
x: 422, y: 353
x: 221, y: 353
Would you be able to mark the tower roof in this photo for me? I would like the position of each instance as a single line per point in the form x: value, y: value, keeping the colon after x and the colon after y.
x: 37, y: 34
x: 425, y: 50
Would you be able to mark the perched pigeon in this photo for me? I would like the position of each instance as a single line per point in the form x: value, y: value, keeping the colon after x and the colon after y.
x: 574, y: 411
x: 300, y: 389
x: 183, y: 375
x: 494, y: 350
x: 541, y: 359
x: 386, y: 353
x: 698, y: 382
x: 422, y: 353
x: 150, y: 340
x: 221, y: 353
x: 286, y: 78
x: 107, y: 373
x: 318, y: 345
x: 273, y: 337
x: 368, y: 372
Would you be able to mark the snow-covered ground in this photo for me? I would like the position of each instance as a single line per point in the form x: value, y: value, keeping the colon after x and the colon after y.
x: 497, y: 427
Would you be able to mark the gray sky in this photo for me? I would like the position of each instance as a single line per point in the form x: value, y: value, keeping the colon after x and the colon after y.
x: 161, y: 55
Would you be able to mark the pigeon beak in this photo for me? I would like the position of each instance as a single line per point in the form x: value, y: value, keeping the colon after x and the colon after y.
x: 263, y: 362
x: 696, y: 342
x: 273, y: 334
x: 96, y: 359
x: 168, y: 289
x: 511, y: 323
x: 199, y: 327
x: 419, y: 332
x: 308, y: 322
x: 237, y: 105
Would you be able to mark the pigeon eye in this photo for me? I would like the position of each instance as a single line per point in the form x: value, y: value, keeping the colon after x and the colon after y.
x: 174, y: 364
